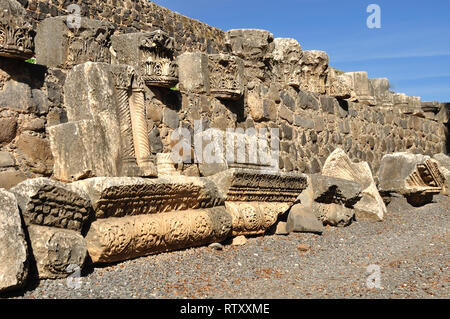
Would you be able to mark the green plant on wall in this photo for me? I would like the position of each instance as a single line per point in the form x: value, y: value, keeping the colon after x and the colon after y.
x: 31, y: 60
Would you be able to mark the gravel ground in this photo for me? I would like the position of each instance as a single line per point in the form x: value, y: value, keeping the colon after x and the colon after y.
x: 411, y: 247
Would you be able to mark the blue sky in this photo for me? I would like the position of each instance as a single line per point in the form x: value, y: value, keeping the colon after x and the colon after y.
x: 411, y: 49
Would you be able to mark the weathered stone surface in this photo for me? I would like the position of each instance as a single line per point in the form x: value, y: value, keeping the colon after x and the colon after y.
x: 46, y: 202
x: 260, y: 186
x: 11, y: 178
x: 8, y: 128
x: 254, y: 218
x: 16, y: 32
x: 6, y: 160
x: 165, y: 165
x: 226, y: 76
x: 287, y: 55
x: 383, y: 96
x: 220, y: 75
x: 37, y: 153
x: 116, y: 239
x: 59, y: 46
x: 327, y: 189
x: 57, y: 252
x: 444, y: 166
x: 302, y: 219
x: 239, y: 241
x: 125, y: 196
x: 254, y: 47
x: 334, y: 214
x: 371, y: 205
x: 415, y: 176
x: 16, y: 95
x: 338, y: 85
x: 13, y: 247
x: 314, y: 65
x: 151, y: 54
x: 362, y: 87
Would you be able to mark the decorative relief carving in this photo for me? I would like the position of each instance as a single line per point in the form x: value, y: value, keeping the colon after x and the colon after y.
x: 151, y: 54
x: 226, y: 76
x: 16, y: 33
x: 116, y: 239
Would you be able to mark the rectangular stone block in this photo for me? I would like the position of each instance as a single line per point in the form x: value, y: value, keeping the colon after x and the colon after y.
x: 59, y: 45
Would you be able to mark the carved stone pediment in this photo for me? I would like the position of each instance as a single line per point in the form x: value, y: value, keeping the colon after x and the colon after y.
x: 16, y: 33
x: 151, y: 54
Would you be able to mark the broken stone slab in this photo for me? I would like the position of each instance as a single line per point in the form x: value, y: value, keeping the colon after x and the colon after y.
x: 13, y: 245
x: 334, y: 214
x: 338, y: 85
x: 125, y: 196
x: 117, y: 239
x: 58, y: 45
x: 287, y: 55
x: 302, y: 219
x: 415, y: 176
x: 151, y: 54
x: 47, y: 202
x: 362, y: 87
x: 259, y: 185
x: 314, y: 66
x: 57, y: 252
x: 70, y: 140
x: 16, y: 40
x: 254, y: 218
x: 371, y: 205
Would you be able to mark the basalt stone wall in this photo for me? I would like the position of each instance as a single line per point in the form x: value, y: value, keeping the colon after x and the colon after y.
x: 261, y: 82
x: 136, y: 16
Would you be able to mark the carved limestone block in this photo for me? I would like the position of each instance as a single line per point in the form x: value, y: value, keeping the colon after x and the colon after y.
x: 314, y: 65
x: 220, y: 75
x: 226, y: 76
x: 116, y: 239
x: 338, y: 85
x: 362, y: 87
x: 151, y: 54
x: 58, y: 252
x: 254, y: 47
x: 58, y: 45
x: 46, y: 202
x: 286, y: 58
x: 259, y: 185
x: 125, y: 196
x: 383, y: 96
x: 254, y: 218
x: 415, y: 176
x: 16, y: 33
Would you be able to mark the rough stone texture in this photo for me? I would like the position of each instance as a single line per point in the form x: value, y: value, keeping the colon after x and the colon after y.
x: 36, y: 152
x: 11, y: 178
x: 371, y: 205
x: 254, y: 46
x: 8, y: 127
x: 314, y: 71
x: 444, y: 166
x: 16, y: 32
x: 302, y: 219
x: 46, y: 202
x: 6, y: 160
x: 125, y: 196
x: 334, y: 214
x: 338, y: 85
x: 287, y: 55
x: 59, y: 46
x: 415, y: 176
x: 57, y: 252
x: 116, y: 239
x: 13, y: 247
x: 383, y: 96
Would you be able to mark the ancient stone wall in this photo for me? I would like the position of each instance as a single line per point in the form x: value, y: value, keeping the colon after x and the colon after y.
x: 136, y: 15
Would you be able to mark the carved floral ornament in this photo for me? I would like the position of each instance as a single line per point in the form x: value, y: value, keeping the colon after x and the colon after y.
x: 158, y: 67
x: 16, y: 33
